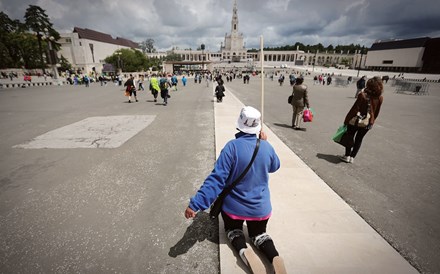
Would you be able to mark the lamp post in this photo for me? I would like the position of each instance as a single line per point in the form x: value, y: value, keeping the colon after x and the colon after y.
x: 202, y: 46
x: 51, y: 56
x: 118, y: 53
x: 360, y: 62
x: 314, y: 59
x: 39, y: 36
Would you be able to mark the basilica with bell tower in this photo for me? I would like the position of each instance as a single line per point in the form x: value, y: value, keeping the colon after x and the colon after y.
x: 233, y: 49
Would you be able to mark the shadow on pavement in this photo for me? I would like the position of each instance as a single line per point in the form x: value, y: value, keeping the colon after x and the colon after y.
x: 202, y: 228
x: 282, y: 125
x: 329, y: 158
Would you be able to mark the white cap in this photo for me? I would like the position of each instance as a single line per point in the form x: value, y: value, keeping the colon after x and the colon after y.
x: 249, y: 120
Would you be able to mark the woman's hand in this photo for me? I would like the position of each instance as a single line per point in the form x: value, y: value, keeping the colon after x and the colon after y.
x: 189, y: 213
x: 263, y: 135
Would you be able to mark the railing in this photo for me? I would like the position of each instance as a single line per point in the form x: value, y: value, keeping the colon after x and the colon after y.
x: 341, y: 82
x: 26, y: 84
x: 405, y: 86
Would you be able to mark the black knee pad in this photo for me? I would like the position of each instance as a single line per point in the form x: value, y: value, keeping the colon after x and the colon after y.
x: 264, y: 243
x: 237, y: 239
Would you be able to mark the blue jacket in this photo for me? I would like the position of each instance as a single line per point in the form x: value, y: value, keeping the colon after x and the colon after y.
x: 251, y: 196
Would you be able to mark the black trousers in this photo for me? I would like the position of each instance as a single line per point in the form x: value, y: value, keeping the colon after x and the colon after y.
x: 255, y: 228
x: 358, y: 134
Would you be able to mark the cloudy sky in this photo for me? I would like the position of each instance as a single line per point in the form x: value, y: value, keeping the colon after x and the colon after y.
x: 189, y: 23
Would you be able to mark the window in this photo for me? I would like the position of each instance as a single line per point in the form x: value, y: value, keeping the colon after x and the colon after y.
x: 388, y: 62
x: 68, y: 40
x: 80, y: 43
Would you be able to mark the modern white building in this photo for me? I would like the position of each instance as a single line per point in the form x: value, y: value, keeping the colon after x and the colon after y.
x: 86, y: 49
x: 397, y: 55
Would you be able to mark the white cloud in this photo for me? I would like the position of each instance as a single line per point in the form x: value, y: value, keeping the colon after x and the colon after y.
x: 188, y: 23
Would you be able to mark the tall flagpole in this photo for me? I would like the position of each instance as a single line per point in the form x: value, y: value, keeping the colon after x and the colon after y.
x: 262, y: 79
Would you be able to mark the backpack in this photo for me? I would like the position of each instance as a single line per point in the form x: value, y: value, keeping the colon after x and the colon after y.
x: 163, y: 84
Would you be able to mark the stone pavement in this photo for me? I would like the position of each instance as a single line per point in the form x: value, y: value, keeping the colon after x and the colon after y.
x: 314, y: 230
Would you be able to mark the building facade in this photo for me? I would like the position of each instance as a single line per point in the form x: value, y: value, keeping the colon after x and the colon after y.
x: 233, y: 49
x: 408, y: 55
x: 86, y: 49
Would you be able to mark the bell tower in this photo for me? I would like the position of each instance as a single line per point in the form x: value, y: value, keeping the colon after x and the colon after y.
x: 234, y: 21
x: 233, y: 49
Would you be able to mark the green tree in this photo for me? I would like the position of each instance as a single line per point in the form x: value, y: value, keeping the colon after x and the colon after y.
x: 128, y: 60
x: 313, y: 48
x: 147, y: 46
x: 4, y: 32
x: 64, y: 64
x: 27, y: 50
x: 37, y: 21
x: 7, y: 27
x: 345, y: 62
x: 173, y: 57
x: 18, y: 47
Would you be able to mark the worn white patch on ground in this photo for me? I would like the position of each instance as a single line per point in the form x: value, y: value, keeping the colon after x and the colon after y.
x: 92, y: 132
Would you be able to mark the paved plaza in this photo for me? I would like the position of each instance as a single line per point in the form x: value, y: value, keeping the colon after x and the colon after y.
x: 393, y: 182
x: 119, y: 208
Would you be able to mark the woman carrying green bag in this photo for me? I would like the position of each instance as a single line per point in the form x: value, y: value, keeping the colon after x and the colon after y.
x: 366, y: 108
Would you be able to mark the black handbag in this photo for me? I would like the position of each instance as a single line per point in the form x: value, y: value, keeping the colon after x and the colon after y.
x: 289, y: 100
x: 362, y: 120
x: 216, y: 206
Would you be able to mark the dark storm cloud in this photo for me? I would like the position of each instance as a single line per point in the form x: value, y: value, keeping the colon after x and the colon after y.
x: 189, y: 23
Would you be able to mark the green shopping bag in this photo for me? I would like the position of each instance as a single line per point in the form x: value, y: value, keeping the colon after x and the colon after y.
x: 339, y: 133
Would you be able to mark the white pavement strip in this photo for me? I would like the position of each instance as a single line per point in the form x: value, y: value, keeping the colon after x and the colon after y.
x: 92, y: 132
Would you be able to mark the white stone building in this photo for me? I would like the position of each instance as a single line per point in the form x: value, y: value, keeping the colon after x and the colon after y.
x: 233, y: 49
x: 86, y: 49
x: 234, y: 52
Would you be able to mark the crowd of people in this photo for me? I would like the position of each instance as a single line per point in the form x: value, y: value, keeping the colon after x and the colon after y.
x: 368, y: 93
x: 159, y: 84
x: 248, y: 201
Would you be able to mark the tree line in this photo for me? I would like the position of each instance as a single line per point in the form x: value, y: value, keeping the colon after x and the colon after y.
x: 26, y: 45
x: 315, y: 48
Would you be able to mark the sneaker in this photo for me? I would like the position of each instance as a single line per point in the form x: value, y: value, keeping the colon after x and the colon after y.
x: 155, y: 100
x: 345, y: 158
x: 252, y: 261
x: 351, y: 160
x: 129, y: 101
x: 137, y: 100
x: 278, y: 265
